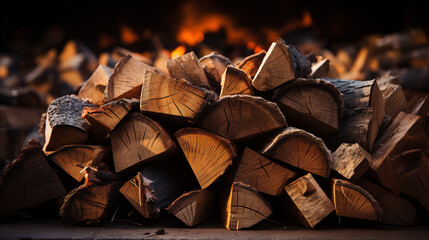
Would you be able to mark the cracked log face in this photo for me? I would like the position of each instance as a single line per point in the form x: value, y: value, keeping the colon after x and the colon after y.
x: 207, y: 153
x: 138, y: 140
x: 307, y: 202
x: 214, y: 65
x: 194, y: 207
x: 311, y: 104
x: 353, y: 201
x: 73, y: 158
x: 235, y: 81
x: 243, y: 207
x: 250, y: 64
x: 90, y: 204
x: 260, y: 172
x: 94, y: 87
x: 170, y: 97
x: 233, y: 117
x: 302, y: 150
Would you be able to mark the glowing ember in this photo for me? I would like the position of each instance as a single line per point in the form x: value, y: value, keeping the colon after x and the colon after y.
x: 128, y: 35
x: 179, y: 51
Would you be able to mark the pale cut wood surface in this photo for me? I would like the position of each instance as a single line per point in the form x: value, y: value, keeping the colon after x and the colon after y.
x: 235, y: 81
x: 250, y: 64
x: 94, y: 87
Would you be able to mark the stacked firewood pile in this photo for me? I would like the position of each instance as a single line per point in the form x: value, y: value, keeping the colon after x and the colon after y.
x: 279, y: 133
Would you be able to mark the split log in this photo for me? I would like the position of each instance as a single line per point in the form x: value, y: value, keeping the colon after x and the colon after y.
x: 306, y: 201
x: 396, y: 210
x: 139, y: 140
x: 28, y: 181
x: 259, y: 172
x: 233, y: 117
x: 157, y: 186
x: 418, y: 106
x: 353, y: 201
x: 363, y: 114
x: 207, y: 153
x: 120, y: 52
x: 194, y: 207
x: 243, y: 207
x: 64, y: 124
x: 250, y: 64
x: 94, y: 87
x: 73, y: 158
x: 163, y: 95
x: 91, y: 204
x: 400, y: 161
x: 214, y: 65
x: 126, y: 79
x: 315, y: 105
x: 301, y: 149
x: 235, y: 81
x: 323, y: 69
x: 189, y: 68
x: 351, y: 161
x: 394, y: 99
x: 282, y: 63
x: 104, y: 119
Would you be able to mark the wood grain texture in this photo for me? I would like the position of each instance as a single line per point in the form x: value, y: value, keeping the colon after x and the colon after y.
x: 94, y: 87
x: 351, y: 161
x: 235, y: 81
x: 161, y: 94
x: 302, y: 150
x: 214, y: 64
x: 207, y: 153
x: 233, y: 117
x: 250, y: 64
x: 189, y: 68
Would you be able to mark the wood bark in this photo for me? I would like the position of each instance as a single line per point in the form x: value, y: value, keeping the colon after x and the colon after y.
x: 28, y: 181
x: 207, y: 153
x: 351, y: 161
x: 139, y: 140
x: 64, y: 119
x: 235, y: 81
x: 363, y: 114
x: 169, y: 97
x: 126, y: 79
x: 94, y: 87
x: 189, y: 68
x: 214, y: 65
x: 315, y: 105
x: 233, y: 117
x: 306, y: 201
x: 250, y: 64
x: 301, y: 149
x: 282, y: 63
x: 243, y: 207
x: 195, y: 207
x: 259, y: 172
x: 352, y: 201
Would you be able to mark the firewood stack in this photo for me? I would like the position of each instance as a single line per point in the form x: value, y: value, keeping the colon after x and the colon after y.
x: 217, y: 140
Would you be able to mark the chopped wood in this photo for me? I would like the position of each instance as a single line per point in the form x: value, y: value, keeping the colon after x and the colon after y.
x: 363, y: 114
x: 418, y: 106
x: 351, y: 161
x: 126, y: 79
x: 104, y: 119
x: 73, y: 158
x: 195, y: 207
x: 323, y: 69
x: 260, y: 172
x: 157, y: 186
x: 400, y: 161
x: 92, y: 204
x: 214, y: 65
x: 167, y: 96
x: 94, y: 87
x: 235, y: 81
x: 138, y: 140
x: 353, y: 201
x: 301, y: 149
x: 394, y: 99
x: 315, y: 105
x: 28, y: 181
x: 233, y: 117
x: 306, y: 201
x: 64, y: 119
x: 207, y: 153
x: 250, y: 64
x: 243, y: 207
x: 282, y: 63
x: 189, y: 68
x: 396, y: 210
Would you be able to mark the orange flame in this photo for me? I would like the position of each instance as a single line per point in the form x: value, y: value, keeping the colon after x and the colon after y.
x: 179, y: 51
x: 128, y: 35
